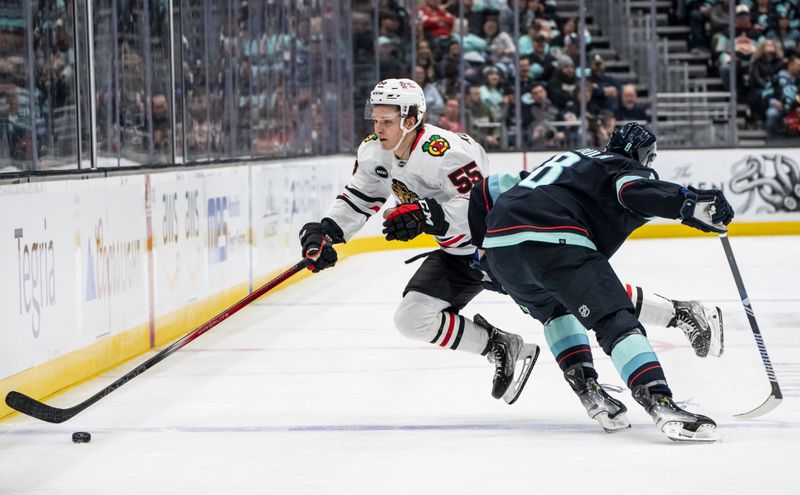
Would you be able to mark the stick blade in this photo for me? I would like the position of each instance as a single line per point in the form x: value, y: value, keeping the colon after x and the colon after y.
x: 35, y: 409
x: 768, y: 405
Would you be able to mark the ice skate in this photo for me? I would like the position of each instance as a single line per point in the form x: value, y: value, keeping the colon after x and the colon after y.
x: 674, y: 422
x: 600, y: 406
x: 702, y: 326
x: 510, y: 356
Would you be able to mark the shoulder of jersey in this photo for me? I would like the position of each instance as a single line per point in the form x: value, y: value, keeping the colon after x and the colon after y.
x: 371, y: 147
x: 438, y: 142
x: 372, y: 157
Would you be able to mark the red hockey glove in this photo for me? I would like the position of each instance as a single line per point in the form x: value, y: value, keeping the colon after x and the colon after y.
x: 409, y: 220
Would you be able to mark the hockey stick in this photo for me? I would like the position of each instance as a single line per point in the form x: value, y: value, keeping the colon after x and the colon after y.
x: 42, y: 411
x: 775, y: 396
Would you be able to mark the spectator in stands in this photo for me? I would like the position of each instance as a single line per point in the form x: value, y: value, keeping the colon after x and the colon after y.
x: 433, y: 98
x: 605, y: 88
x: 562, y: 85
x: 763, y: 16
x: 390, y: 26
x: 436, y: 21
x: 767, y: 61
x: 783, y: 33
x: 534, y: 9
x: 481, y: 124
x: 786, y: 98
x: 547, y: 26
x: 451, y: 82
x: 501, y: 45
x: 472, y: 42
x: 699, y: 14
x: 542, y: 63
x: 744, y: 46
x: 718, y: 21
x: 525, y: 75
x: 389, y: 60
x: 490, y: 7
x: 538, y: 113
x: 525, y: 42
x: 499, y: 9
x: 363, y: 38
x: 572, y: 48
x: 451, y: 116
x: 452, y: 57
x: 571, y: 27
x: 601, y: 128
x: 474, y: 15
x: 473, y: 68
x: 492, y: 91
x: 425, y: 56
x: 628, y: 108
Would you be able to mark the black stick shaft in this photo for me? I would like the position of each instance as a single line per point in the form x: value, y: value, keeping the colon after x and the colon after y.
x: 751, y: 317
x: 39, y: 410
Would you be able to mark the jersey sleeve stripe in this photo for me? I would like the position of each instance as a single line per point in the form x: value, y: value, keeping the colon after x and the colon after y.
x: 625, y: 181
x: 354, y: 207
x: 364, y: 197
x: 452, y: 241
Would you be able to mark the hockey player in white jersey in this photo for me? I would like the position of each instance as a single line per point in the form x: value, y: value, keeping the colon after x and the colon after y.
x: 431, y: 172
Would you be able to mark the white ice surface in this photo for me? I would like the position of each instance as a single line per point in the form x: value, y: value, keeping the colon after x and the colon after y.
x: 312, y: 391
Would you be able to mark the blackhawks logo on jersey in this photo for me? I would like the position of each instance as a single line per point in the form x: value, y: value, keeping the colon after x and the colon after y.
x: 436, y: 145
x: 371, y: 137
x: 403, y: 193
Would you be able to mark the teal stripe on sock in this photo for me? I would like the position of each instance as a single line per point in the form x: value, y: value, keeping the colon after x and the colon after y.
x: 631, y: 350
x: 564, y: 332
x: 636, y: 362
x: 567, y: 342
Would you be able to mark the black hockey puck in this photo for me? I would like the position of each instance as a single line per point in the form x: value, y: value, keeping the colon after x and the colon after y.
x: 81, y: 437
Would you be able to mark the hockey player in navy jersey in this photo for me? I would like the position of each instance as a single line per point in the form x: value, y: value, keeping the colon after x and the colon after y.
x: 547, y: 239
x: 431, y: 171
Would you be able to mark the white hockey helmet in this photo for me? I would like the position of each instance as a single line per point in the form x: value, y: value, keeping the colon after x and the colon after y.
x: 403, y: 93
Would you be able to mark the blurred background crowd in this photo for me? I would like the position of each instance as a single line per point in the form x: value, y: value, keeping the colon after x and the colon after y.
x: 545, y: 59
x: 107, y: 83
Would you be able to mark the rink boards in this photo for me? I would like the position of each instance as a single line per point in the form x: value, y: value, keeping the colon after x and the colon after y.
x: 102, y: 269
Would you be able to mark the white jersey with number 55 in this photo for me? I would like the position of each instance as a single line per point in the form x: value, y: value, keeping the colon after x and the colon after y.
x: 442, y: 165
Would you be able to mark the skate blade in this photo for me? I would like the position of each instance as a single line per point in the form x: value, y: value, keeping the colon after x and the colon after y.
x: 526, y: 359
x: 704, y: 434
x: 717, y: 344
x: 613, y: 425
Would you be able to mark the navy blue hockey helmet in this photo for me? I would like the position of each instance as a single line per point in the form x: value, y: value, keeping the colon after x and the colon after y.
x: 634, y: 141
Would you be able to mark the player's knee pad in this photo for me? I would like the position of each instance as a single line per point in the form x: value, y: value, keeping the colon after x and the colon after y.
x: 419, y: 316
x: 615, y: 327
